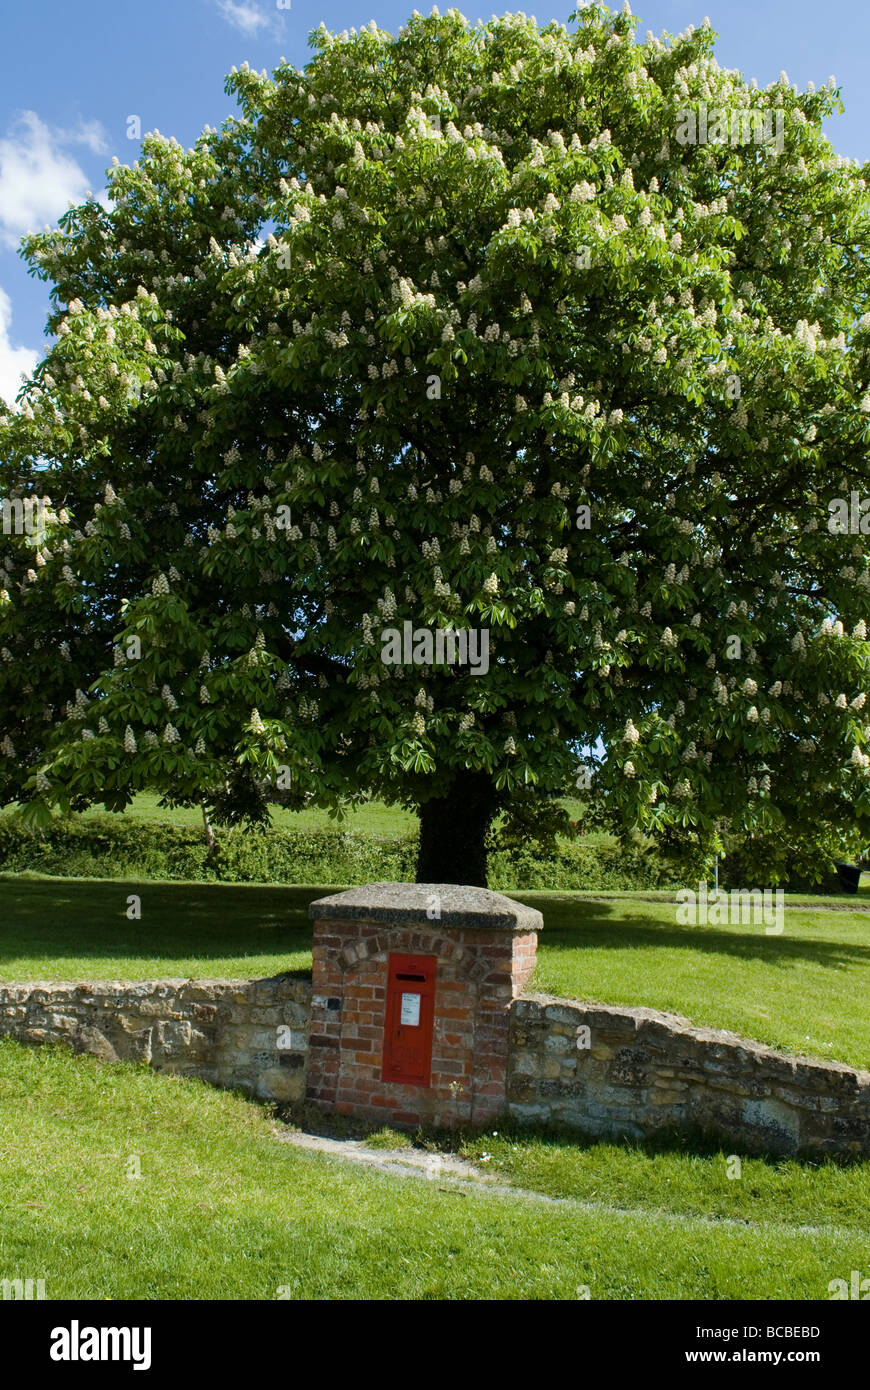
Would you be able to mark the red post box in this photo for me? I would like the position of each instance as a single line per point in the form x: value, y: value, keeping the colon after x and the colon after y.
x: 409, y: 1019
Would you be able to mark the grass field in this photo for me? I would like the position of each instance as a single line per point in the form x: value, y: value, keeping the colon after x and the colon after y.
x: 222, y: 1210
x: 372, y: 817
x: 693, y: 1181
x: 805, y: 991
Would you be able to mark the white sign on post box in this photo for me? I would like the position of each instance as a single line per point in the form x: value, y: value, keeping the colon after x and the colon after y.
x: 410, y: 1011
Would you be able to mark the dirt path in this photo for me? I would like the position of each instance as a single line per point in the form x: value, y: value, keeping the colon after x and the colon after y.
x: 406, y: 1162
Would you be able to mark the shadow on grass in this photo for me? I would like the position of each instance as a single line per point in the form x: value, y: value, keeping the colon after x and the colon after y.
x: 87, y: 919
x: 690, y: 1143
x: 592, y: 926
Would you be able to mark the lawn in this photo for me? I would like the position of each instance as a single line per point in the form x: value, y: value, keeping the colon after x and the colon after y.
x: 804, y: 991
x: 62, y: 929
x: 223, y: 1211
x: 689, y: 1181
x: 372, y: 817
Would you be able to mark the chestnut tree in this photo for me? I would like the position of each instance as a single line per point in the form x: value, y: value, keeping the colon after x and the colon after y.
x: 547, y: 333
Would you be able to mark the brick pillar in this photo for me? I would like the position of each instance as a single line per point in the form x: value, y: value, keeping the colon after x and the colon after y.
x: 478, y: 948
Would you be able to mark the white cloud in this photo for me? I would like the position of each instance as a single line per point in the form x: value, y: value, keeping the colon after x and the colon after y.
x: 38, y: 180
x: 89, y: 133
x: 245, y: 17
x: 13, y: 361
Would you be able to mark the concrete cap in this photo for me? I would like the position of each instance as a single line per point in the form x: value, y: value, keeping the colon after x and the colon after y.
x: 399, y: 903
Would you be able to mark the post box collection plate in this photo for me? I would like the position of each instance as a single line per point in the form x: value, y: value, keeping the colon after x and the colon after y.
x: 410, y: 1015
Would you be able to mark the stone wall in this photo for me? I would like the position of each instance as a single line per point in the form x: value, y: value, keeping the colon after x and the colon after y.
x: 635, y: 1072
x: 643, y: 1072
x: 247, y: 1033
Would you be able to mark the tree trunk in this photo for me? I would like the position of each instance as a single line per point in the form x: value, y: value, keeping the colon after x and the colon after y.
x: 453, y: 831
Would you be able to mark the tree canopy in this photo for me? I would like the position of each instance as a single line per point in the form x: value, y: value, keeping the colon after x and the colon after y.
x: 465, y: 328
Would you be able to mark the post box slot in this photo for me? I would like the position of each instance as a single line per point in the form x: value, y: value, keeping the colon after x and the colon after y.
x: 410, y: 977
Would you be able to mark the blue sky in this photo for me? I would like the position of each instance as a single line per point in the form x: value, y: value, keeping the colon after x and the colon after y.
x: 71, y: 76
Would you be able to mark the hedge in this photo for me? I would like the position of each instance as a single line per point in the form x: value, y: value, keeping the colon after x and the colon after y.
x: 114, y: 847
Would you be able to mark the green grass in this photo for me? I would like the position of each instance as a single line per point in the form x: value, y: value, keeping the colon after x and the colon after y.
x: 679, y: 1176
x: 372, y: 817
x: 62, y: 929
x: 223, y: 1211
x: 387, y: 1138
x: 805, y: 991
